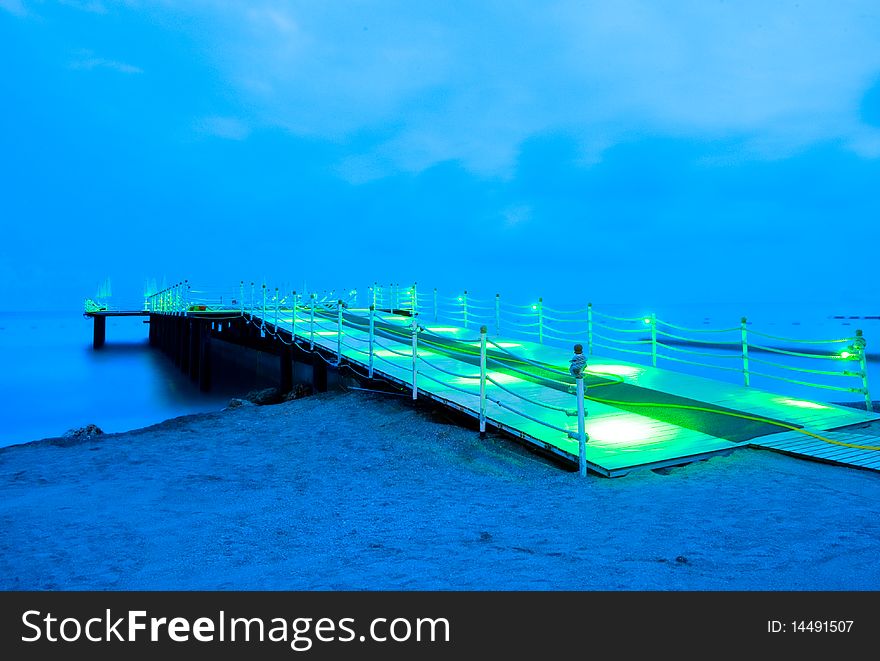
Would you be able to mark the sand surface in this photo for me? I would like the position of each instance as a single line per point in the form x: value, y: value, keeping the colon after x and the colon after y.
x: 353, y: 490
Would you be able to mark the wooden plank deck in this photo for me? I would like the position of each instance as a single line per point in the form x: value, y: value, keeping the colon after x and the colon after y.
x: 619, y: 440
x: 866, y: 455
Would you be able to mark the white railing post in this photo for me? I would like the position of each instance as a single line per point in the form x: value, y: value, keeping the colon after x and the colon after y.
x: 745, y: 350
x: 482, y: 382
x: 577, y: 365
x: 541, y: 321
x: 241, y: 296
x: 293, y: 319
x: 339, y: 332
x: 653, y: 339
x: 263, y: 314
x: 435, y: 305
x: 312, y: 325
x: 464, y: 308
x: 497, y: 315
x: 253, y: 300
x: 415, y: 299
x: 415, y: 357
x: 589, y: 329
x: 859, y: 344
x: 375, y: 287
x: 186, y: 289
x: 277, y: 303
x: 372, y: 335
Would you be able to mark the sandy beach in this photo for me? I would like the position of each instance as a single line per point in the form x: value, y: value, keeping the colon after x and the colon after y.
x: 362, y: 491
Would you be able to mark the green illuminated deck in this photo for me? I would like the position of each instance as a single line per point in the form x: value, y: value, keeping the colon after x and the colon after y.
x: 620, y: 439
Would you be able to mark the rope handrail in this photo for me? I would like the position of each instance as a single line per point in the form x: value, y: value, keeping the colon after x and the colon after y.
x: 636, y: 351
x: 445, y: 371
x: 558, y: 311
x: 520, y: 325
x: 391, y: 362
x: 449, y: 385
x: 618, y: 330
x: 573, y: 336
x: 596, y: 313
x: 506, y: 366
x: 803, y: 369
x: 699, y: 353
x: 463, y: 340
x: 529, y: 399
x: 394, y: 351
x: 698, y: 330
x: 528, y: 417
x: 528, y: 315
x: 527, y: 306
x: 697, y: 340
x: 614, y: 339
x: 805, y: 383
x: 526, y: 360
x: 791, y: 339
x: 474, y: 306
x: 693, y: 362
x: 565, y: 321
x: 354, y: 348
x: 792, y: 353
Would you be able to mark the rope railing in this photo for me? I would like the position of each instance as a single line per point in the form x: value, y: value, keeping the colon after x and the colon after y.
x: 697, y: 340
x: 661, y: 339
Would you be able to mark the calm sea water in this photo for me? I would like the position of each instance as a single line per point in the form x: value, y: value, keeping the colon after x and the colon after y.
x: 53, y: 380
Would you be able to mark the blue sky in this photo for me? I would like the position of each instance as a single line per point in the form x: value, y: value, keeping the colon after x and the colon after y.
x: 613, y: 151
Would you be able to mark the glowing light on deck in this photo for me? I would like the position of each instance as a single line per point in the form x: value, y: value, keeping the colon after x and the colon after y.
x: 619, y: 370
x: 442, y: 329
x: 618, y: 431
x: 800, y: 403
x: 503, y: 378
x: 845, y: 354
x: 389, y: 354
x: 325, y: 333
x: 503, y: 345
x: 647, y: 320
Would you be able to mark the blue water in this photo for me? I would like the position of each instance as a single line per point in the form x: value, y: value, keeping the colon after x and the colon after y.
x: 53, y: 380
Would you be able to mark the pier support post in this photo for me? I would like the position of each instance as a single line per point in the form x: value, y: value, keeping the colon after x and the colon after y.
x: 195, y: 343
x: 100, y: 331
x: 204, y: 358
x: 319, y: 374
x: 185, y: 330
x: 286, y: 359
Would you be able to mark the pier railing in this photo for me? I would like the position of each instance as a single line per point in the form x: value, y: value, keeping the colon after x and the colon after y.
x: 837, y: 364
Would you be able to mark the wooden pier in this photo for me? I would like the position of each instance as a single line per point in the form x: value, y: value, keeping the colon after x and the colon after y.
x: 637, y: 416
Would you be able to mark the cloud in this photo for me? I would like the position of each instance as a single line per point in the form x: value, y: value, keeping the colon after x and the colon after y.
x: 88, y: 63
x: 15, y: 7
x: 91, y: 6
x: 419, y: 84
x: 225, y: 127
